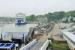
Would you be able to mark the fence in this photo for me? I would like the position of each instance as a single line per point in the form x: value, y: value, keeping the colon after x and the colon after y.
x: 45, y: 45
x: 28, y: 46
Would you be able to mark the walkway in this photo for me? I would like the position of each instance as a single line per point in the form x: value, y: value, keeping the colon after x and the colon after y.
x: 55, y: 33
x: 40, y: 43
x: 37, y: 46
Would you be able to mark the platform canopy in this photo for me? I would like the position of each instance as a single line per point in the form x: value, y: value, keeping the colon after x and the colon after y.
x: 70, y: 36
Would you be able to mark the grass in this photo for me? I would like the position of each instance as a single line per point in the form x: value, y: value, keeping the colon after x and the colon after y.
x: 59, y: 46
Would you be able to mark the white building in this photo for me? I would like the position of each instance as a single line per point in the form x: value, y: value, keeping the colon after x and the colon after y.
x: 69, y: 36
x: 16, y: 31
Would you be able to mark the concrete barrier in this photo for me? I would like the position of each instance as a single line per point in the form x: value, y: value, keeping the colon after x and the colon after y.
x: 45, y: 45
x: 28, y: 46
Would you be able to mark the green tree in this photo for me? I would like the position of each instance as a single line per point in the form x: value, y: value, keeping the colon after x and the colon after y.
x: 31, y: 18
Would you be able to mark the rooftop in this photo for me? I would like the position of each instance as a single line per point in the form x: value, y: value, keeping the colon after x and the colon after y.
x: 70, y: 35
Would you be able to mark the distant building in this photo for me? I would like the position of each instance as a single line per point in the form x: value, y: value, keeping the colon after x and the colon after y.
x: 74, y: 19
x: 68, y: 19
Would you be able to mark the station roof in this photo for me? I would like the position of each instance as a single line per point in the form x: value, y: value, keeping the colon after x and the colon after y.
x: 70, y: 35
x: 18, y: 31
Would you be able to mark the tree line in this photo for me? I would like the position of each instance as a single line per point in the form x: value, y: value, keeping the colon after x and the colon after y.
x: 52, y: 16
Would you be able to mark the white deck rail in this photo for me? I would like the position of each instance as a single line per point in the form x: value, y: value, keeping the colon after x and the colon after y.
x: 45, y: 45
x: 28, y: 46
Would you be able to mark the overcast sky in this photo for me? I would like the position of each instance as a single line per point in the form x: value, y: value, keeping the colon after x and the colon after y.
x: 11, y: 7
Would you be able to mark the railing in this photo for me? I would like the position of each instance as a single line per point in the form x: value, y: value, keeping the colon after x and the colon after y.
x: 28, y: 46
x: 45, y: 45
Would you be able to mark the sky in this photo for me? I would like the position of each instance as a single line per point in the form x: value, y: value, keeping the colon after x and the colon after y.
x: 37, y: 7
